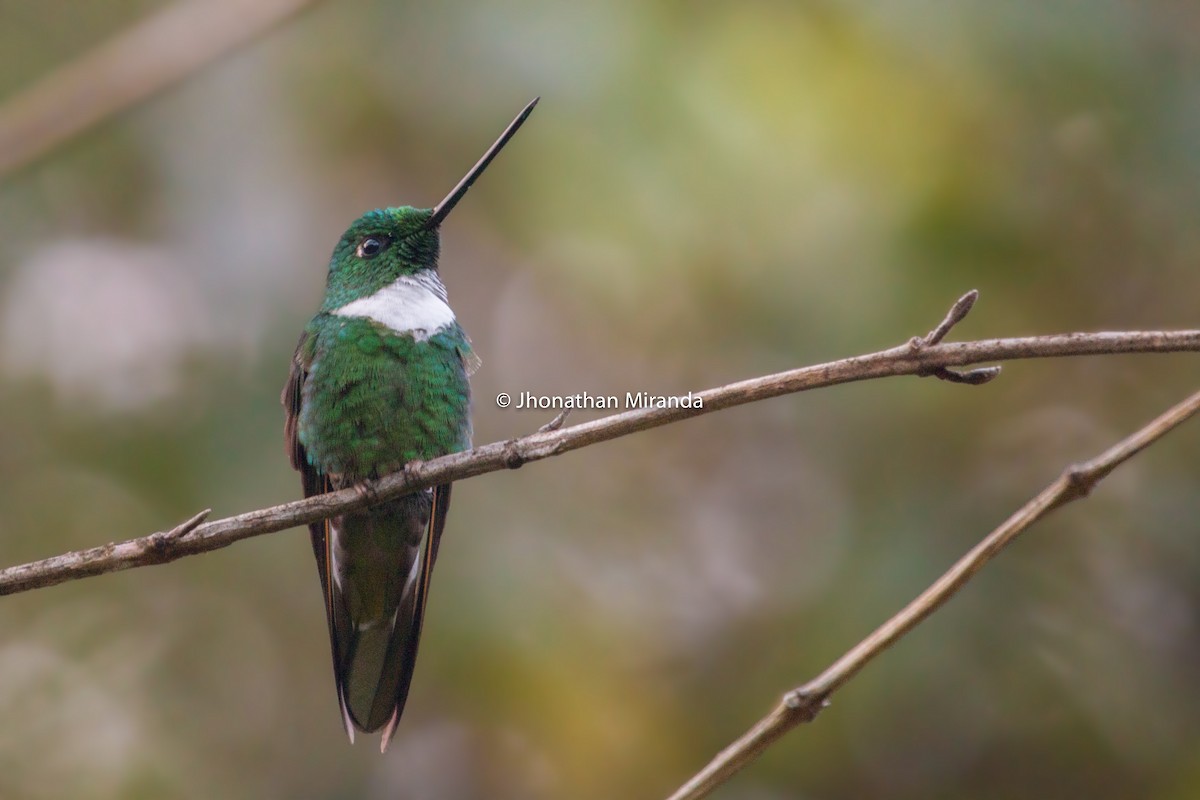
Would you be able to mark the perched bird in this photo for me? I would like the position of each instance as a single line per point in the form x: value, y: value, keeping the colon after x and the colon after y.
x: 380, y: 378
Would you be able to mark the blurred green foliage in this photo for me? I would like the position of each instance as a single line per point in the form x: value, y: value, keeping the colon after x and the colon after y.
x: 707, y: 192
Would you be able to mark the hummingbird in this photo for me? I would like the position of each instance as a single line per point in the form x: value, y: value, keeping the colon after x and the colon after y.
x: 380, y: 378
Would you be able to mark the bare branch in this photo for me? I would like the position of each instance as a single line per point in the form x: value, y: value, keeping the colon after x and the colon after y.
x: 804, y: 703
x: 150, y: 56
x: 511, y: 454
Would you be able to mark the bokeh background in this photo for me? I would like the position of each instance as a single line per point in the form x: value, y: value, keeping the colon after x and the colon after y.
x: 708, y: 191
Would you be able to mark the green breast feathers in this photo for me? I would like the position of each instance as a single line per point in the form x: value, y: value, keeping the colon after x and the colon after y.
x: 387, y: 383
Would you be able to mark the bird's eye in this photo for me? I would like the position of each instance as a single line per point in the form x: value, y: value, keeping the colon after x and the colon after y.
x: 371, y: 246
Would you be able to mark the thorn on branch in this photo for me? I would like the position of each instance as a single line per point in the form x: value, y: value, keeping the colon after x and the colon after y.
x: 555, y: 423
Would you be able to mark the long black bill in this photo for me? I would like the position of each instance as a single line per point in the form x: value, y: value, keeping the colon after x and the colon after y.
x: 442, y: 209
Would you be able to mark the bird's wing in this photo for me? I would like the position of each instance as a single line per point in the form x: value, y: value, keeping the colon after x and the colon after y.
x: 314, y: 483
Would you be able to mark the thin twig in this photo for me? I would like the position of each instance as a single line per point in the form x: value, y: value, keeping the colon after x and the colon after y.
x: 957, y: 313
x: 150, y: 56
x: 804, y: 703
x: 186, y: 527
x: 511, y: 454
x: 555, y: 423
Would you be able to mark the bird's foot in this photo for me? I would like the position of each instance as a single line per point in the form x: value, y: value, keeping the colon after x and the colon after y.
x: 366, y: 491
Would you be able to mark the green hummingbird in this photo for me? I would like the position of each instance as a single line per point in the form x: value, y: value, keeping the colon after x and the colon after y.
x: 379, y: 379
